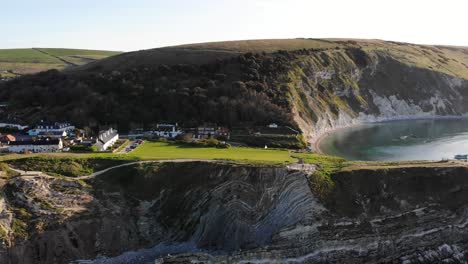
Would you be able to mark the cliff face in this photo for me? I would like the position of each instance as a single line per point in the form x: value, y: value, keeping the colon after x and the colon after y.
x: 223, y: 213
x: 333, y: 89
x: 405, y: 215
x: 204, y: 205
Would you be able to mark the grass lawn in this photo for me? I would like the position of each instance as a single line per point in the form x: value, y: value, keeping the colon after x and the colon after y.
x: 166, y: 150
x: 169, y: 150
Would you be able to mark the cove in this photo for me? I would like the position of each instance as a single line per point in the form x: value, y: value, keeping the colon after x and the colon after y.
x: 433, y: 139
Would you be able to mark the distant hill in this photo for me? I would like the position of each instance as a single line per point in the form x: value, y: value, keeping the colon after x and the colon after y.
x: 310, y: 84
x: 26, y: 61
x: 451, y: 60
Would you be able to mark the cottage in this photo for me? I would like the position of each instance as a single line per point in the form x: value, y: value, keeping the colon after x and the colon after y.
x: 51, y: 127
x: 52, y: 134
x: 46, y: 145
x: 6, y: 139
x: 106, y: 139
x: 223, y: 132
x: 167, y: 131
x: 210, y: 130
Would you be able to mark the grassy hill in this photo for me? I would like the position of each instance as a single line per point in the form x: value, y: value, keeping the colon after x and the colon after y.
x: 26, y: 61
x: 311, y: 84
x: 446, y: 59
x: 450, y: 60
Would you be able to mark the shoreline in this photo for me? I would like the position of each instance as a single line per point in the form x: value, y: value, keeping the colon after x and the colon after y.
x: 318, y: 139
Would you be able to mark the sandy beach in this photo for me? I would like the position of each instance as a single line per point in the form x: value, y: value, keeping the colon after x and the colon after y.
x: 319, y: 141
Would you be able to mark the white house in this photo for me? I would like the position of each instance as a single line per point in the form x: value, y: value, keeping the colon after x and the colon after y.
x: 273, y: 125
x: 167, y: 131
x: 51, y: 127
x: 52, y: 134
x: 47, y: 145
x: 207, y: 130
x: 106, y: 139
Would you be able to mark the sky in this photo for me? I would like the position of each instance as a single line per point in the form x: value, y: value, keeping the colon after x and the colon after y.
x: 127, y: 25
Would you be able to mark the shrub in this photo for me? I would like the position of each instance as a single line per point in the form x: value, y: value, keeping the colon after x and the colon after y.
x: 83, y: 148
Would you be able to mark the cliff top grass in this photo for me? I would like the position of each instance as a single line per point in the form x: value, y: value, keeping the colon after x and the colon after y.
x: 263, y: 45
x: 75, y: 164
x: 446, y: 59
x: 168, y: 150
x: 450, y: 60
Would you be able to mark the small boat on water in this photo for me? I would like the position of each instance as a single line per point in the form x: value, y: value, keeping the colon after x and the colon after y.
x: 461, y: 157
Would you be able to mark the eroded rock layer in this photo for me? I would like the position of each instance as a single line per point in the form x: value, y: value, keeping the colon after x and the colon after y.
x: 225, y: 213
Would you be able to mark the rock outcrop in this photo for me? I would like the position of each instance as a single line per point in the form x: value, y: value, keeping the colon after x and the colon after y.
x: 211, y: 206
x: 225, y: 213
x: 341, y: 91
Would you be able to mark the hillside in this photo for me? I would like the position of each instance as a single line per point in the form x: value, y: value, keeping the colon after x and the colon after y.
x: 447, y: 59
x: 26, y: 61
x: 311, y: 84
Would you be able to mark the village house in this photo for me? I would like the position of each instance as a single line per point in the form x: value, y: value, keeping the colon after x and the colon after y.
x: 223, y: 132
x: 37, y: 146
x: 210, y: 130
x: 6, y: 139
x: 106, y: 139
x: 205, y: 131
x: 51, y: 127
x: 167, y: 131
x: 52, y: 134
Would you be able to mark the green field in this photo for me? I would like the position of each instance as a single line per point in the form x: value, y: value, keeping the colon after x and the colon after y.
x: 79, y: 56
x: 78, y: 52
x: 27, y: 61
x: 26, y: 56
x: 165, y: 150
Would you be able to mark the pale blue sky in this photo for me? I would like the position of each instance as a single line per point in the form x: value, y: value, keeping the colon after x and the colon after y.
x: 142, y: 24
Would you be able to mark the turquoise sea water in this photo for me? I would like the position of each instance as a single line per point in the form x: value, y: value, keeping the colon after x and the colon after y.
x: 400, y: 140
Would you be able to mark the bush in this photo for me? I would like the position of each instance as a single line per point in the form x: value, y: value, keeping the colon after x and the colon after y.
x: 207, y: 143
x: 83, y: 148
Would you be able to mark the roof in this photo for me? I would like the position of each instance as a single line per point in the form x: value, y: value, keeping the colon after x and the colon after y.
x: 164, y: 129
x: 166, y: 125
x: 47, y: 133
x: 36, y: 142
x: 7, y: 137
x: 104, y: 136
x: 55, y: 125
